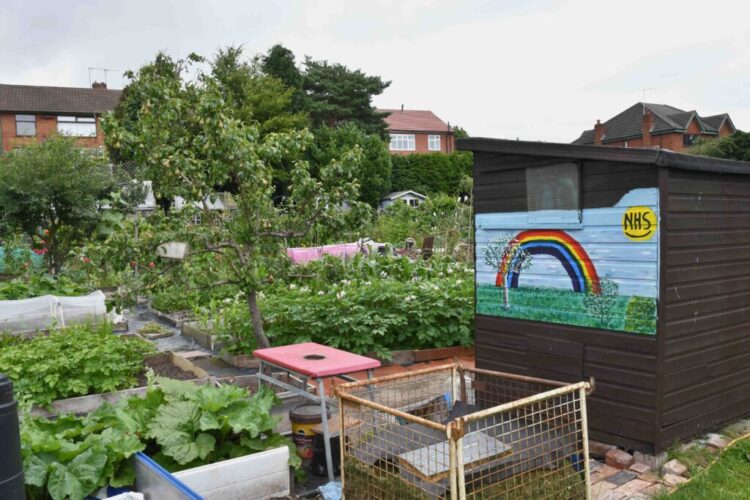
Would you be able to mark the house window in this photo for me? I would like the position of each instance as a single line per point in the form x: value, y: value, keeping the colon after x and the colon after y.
x: 689, y: 139
x: 433, y: 142
x: 553, y: 194
x: 76, y: 126
x: 26, y: 125
x: 402, y: 142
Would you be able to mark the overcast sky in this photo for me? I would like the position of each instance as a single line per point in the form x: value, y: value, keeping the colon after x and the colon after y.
x: 528, y: 69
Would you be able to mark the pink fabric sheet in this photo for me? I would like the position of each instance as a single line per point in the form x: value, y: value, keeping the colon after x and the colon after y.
x: 305, y: 255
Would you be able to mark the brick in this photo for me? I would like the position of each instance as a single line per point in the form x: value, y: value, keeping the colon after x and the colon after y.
x: 716, y: 441
x: 639, y: 468
x: 603, y: 473
x: 653, y: 490
x: 672, y: 480
x: 598, y: 449
x: 638, y: 496
x: 611, y: 495
x: 601, y: 487
x: 649, y: 476
x: 675, y: 467
x: 619, y: 459
x: 622, y: 477
x: 633, y: 486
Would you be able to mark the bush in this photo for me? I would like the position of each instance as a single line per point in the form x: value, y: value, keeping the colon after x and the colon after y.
x: 431, y: 173
x: 76, y: 361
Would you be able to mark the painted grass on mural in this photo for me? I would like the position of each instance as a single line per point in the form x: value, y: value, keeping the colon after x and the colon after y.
x: 567, y: 307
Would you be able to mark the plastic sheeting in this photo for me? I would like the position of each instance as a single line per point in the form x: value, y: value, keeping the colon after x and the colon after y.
x: 49, y: 311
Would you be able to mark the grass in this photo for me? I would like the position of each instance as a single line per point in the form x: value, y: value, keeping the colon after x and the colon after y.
x: 554, y: 306
x: 727, y: 478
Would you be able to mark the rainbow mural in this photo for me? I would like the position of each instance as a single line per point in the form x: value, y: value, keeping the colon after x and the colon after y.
x: 564, y: 248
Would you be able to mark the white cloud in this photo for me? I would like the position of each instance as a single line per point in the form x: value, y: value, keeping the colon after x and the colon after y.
x: 541, y: 69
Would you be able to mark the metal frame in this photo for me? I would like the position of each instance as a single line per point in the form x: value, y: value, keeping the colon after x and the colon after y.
x: 320, y: 397
x: 540, y: 403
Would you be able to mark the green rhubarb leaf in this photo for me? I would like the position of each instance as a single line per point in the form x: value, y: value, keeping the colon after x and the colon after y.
x: 213, y: 399
x: 176, y: 390
x: 125, y: 476
x: 88, y: 467
x: 35, y: 471
x: 62, y: 483
x: 172, y: 420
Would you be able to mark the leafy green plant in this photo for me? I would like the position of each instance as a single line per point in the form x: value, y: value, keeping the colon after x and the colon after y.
x: 180, y: 424
x: 75, y: 361
x: 36, y: 285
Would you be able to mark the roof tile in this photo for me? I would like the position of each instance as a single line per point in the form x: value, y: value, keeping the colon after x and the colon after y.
x: 412, y: 120
x: 38, y: 99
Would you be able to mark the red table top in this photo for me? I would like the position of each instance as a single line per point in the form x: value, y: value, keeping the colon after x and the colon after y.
x: 315, y: 360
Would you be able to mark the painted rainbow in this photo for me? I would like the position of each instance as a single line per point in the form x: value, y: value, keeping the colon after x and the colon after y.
x: 564, y: 248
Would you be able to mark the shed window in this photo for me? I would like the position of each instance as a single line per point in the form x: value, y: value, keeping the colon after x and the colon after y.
x: 433, y: 142
x: 76, y: 126
x: 553, y: 194
x: 26, y: 125
x: 402, y: 142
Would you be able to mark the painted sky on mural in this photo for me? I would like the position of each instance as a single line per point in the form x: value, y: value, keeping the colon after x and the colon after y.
x: 535, y: 69
x: 632, y: 265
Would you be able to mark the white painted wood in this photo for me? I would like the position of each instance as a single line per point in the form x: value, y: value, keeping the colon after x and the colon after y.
x: 256, y: 476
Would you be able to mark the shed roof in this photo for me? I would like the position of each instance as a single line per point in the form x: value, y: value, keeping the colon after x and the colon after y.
x: 398, y: 194
x: 414, y: 120
x: 73, y: 100
x: 654, y: 156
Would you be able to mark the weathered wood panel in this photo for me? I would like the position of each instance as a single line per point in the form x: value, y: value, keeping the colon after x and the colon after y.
x: 706, y: 294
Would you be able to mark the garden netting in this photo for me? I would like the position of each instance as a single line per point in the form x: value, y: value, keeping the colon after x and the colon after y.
x: 48, y: 311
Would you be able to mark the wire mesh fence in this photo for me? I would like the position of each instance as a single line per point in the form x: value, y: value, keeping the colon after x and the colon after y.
x: 458, y: 432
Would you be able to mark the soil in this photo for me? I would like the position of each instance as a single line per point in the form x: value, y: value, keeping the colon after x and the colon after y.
x: 163, y: 368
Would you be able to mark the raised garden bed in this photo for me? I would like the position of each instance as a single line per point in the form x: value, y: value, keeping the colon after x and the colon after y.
x: 166, y: 364
x: 422, y: 355
x: 175, y: 319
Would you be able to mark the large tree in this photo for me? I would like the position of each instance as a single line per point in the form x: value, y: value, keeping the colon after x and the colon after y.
x: 188, y: 136
x: 52, y: 190
x: 373, y: 172
x: 336, y: 94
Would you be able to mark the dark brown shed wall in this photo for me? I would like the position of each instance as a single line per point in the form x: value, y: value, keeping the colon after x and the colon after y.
x: 621, y: 410
x: 706, y: 294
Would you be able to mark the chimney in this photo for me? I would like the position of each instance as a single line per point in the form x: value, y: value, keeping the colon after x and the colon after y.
x: 598, y: 133
x: 646, y: 126
x: 99, y: 85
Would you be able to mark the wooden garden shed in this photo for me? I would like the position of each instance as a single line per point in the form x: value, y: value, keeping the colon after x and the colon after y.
x: 631, y: 266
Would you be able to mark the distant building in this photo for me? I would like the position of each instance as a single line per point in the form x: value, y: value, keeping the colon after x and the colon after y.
x: 30, y: 113
x: 414, y: 131
x: 411, y: 198
x: 646, y: 125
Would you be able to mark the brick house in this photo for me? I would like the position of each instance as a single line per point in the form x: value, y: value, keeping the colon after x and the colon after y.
x: 415, y: 131
x: 645, y: 125
x: 29, y: 113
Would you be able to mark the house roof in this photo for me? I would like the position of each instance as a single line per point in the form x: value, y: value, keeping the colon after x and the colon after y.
x: 398, y: 194
x: 37, y: 99
x: 413, y: 120
x: 656, y: 157
x: 627, y: 124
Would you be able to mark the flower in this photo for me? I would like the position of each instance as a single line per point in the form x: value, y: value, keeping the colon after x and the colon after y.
x: 151, y: 265
x: 86, y: 260
x: 321, y: 292
x: 415, y: 279
x: 409, y: 298
x: 449, y: 270
x: 261, y: 295
x: 383, y: 274
x: 304, y: 289
x: 368, y: 283
x: 441, y: 274
x: 341, y: 294
x: 458, y: 282
x: 346, y: 282
x: 292, y: 286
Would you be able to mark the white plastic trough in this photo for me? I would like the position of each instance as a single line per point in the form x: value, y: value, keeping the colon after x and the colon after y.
x: 252, y: 477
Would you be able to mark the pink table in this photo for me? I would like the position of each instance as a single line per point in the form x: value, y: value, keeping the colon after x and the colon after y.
x: 318, y: 362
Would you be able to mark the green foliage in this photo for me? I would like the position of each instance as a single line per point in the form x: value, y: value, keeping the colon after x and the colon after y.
x: 72, y: 457
x: 439, y: 215
x: 75, y: 361
x: 56, y: 186
x: 35, y: 285
x: 432, y: 172
x: 213, y: 147
x: 279, y: 63
x: 336, y: 94
x: 180, y: 424
x: 640, y: 315
x: 379, y: 304
x: 731, y: 147
x: 17, y: 256
x: 373, y: 172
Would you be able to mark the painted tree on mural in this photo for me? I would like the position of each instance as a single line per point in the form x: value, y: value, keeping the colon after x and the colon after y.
x: 505, y: 248
x: 600, y: 304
